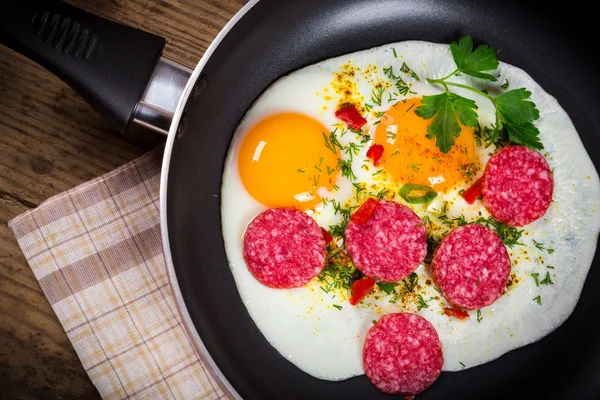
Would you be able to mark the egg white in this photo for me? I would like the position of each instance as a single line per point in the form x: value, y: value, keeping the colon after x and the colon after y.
x: 304, y: 325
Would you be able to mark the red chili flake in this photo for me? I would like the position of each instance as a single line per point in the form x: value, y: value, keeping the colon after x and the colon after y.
x: 327, y: 236
x: 351, y: 116
x: 365, y: 211
x: 453, y: 312
x: 360, y: 289
x: 374, y: 153
x: 472, y: 193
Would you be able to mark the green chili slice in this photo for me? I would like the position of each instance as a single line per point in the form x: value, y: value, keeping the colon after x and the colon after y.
x: 417, y: 194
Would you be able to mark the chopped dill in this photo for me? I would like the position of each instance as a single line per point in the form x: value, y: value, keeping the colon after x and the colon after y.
x: 510, y: 235
x: 402, y: 87
x: 540, y: 246
x: 389, y: 71
x: 404, y: 68
x: 547, y: 280
x: 376, y: 95
x: 346, y: 168
x: 359, y: 189
x: 536, y: 278
x: 410, y: 282
x: 352, y: 150
x: 332, y: 142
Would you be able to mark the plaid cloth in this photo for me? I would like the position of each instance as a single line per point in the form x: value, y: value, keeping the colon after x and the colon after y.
x: 96, y: 251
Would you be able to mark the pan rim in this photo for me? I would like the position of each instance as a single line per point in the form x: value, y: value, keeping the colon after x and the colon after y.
x: 188, y: 324
x: 195, y: 308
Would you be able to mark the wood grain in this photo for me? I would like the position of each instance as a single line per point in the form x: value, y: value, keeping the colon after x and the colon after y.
x: 51, y: 141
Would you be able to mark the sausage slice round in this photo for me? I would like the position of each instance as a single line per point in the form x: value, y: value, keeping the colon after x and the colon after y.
x: 402, y: 354
x: 471, y: 266
x: 284, y: 248
x: 390, y: 244
x: 518, y: 185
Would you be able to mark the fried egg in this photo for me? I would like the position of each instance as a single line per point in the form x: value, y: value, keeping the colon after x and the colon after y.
x: 290, y: 150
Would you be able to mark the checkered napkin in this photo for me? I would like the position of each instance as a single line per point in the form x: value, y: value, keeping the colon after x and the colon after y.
x: 96, y: 251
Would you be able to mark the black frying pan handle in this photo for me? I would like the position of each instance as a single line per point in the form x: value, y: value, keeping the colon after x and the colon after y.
x: 108, y: 64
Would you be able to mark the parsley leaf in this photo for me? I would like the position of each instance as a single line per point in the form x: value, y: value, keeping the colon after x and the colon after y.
x: 474, y: 62
x: 515, y: 112
x: 526, y: 134
x: 515, y: 106
x: 445, y: 108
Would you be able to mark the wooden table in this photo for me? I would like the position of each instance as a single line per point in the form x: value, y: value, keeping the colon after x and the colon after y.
x: 51, y: 141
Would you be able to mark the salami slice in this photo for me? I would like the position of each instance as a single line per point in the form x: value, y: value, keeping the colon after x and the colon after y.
x: 390, y: 244
x: 471, y: 266
x: 402, y: 354
x: 284, y: 248
x: 518, y: 185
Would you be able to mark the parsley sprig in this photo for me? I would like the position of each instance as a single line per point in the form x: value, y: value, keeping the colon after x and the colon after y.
x: 515, y: 113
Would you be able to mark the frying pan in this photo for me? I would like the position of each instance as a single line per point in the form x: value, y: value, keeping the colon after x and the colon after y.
x: 264, y: 41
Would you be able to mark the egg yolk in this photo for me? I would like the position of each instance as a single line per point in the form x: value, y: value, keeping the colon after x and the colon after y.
x: 283, y: 161
x: 413, y: 158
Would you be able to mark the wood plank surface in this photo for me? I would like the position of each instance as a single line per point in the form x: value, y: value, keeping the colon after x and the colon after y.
x: 51, y: 141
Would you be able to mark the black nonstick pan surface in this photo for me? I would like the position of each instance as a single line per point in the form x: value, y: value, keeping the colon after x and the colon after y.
x: 552, y: 43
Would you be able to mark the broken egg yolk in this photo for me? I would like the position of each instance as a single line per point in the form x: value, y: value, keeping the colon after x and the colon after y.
x: 410, y: 157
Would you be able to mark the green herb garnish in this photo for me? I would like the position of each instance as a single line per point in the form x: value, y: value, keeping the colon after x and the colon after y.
x: 410, y: 282
x: 510, y: 235
x: 515, y: 113
x: 387, y: 287
x: 547, y: 280
x: 346, y: 167
x: 424, y: 194
x: 331, y: 142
